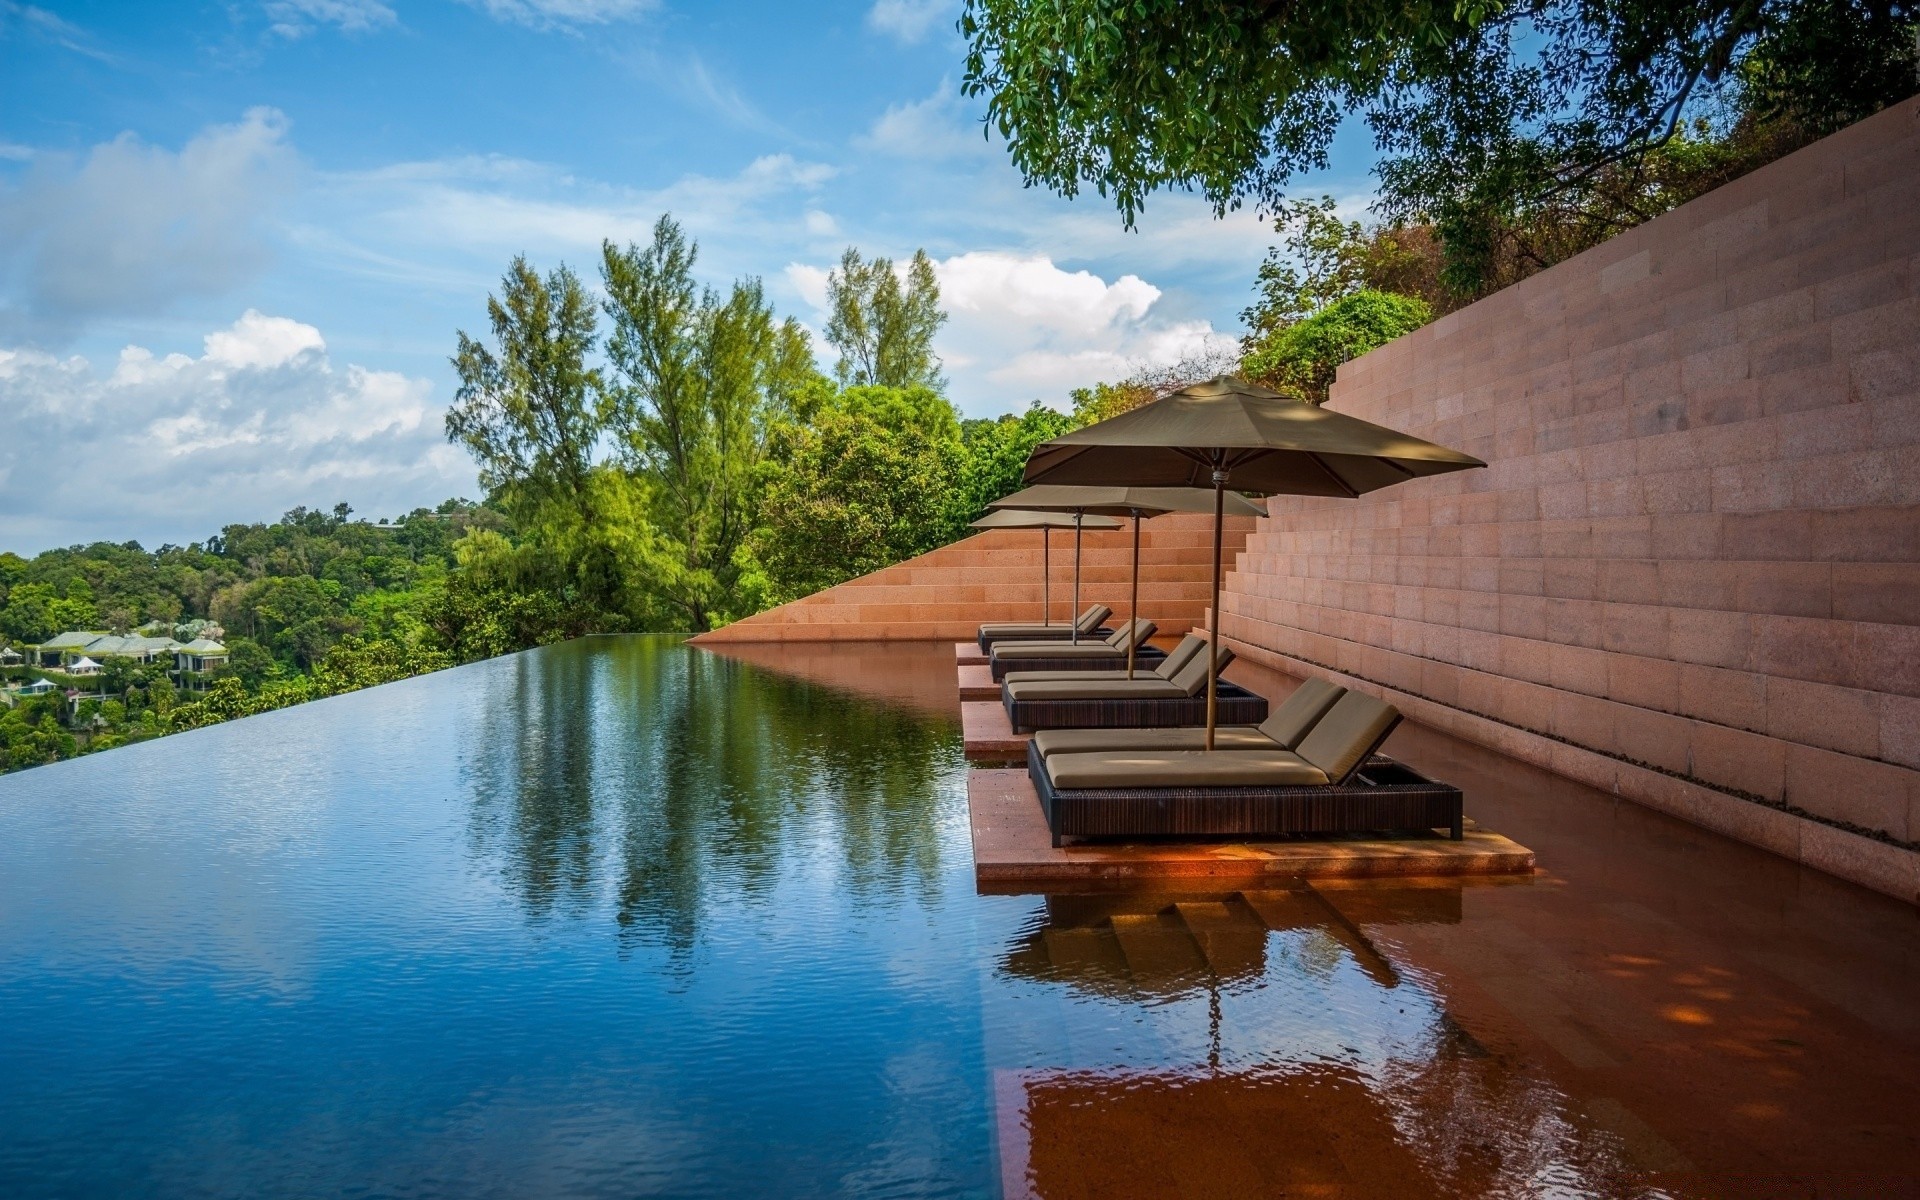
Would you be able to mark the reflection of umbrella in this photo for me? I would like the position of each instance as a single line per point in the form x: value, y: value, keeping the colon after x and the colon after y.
x: 1046, y: 523
x: 1135, y: 502
x: 1228, y: 432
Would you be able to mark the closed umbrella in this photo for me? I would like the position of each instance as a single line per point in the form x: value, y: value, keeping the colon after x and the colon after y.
x: 1227, y: 432
x: 1135, y: 502
x: 1046, y: 523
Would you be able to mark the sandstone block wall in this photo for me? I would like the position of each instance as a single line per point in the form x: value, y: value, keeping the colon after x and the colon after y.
x: 1691, y: 574
x: 948, y: 593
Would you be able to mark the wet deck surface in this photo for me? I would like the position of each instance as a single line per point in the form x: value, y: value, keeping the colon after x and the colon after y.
x: 1658, y: 1011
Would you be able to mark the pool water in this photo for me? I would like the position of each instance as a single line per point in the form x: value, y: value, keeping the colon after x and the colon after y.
x: 624, y: 917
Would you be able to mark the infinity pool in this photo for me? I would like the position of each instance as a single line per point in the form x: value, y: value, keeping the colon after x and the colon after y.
x: 624, y: 917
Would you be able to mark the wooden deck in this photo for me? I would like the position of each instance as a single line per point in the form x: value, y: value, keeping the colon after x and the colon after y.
x: 988, y: 735
x: 1013, y: 850
x: 976, y: 683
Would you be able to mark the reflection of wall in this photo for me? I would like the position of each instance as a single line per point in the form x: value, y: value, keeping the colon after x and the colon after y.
x: 919, y: 676
x: 995, y: 576
x: 1692, y: 573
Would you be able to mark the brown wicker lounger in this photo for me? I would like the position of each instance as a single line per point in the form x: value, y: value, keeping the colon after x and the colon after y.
x: 1333, y: 784
x: 1148, y: 702
x: 1110, y: 652
x: 1090, y: 623
x: 1284, y: 730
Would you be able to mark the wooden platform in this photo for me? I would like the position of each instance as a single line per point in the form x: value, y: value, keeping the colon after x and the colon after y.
x: 989, y: 738
x: 967, y: 654
x: 1013, y: 850
x: 976, y: 683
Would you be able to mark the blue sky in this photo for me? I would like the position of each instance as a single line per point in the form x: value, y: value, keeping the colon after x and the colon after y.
x: 236, y: 239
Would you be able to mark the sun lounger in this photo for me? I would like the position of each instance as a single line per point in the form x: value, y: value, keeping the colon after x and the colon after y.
x: 1331, y: 784
x: 1090, y: 626
x: 1109, y: 652
x: 1140, y: 702
x: 1284, y: 730
x: 1162, y: 666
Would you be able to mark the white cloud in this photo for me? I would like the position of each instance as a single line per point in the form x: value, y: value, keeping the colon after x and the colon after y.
x: 564, y: 14
x: 936, y: 127
x: 910, y: 20
x: 131, y: 228
x: 46, y: 26
x: 165, y: 447
x: 1022, y: 328
x: 821, y: 224
x: 15, y: 151
x: 297, y: 18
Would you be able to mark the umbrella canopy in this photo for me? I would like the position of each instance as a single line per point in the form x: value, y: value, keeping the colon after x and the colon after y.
x: 1043, y: 520
x: 1135, y: 502
x: 1046, y: 523
x: 1267, y: 443
x: 1228, y: 433
x: 1122, y: 501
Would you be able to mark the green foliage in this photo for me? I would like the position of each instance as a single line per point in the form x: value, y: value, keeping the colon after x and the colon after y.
x: 884, y: 328
x: 850, y: 496
x: 698, y: 378
x: 1300, y: 359
x: 1489, y: 117
x: 995, y: 456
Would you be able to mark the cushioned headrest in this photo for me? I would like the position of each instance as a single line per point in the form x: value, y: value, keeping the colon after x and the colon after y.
x: 1090, y: 619
x: 1350, y: 731
x: 1180, y: 656
x: 1192, y: 678
x: 1292, y: 720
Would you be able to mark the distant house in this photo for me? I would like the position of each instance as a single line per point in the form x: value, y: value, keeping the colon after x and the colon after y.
x: 83, y: 666
x: 199, y: 656
x: 38, y: 687
x: 9, y: 657
x: 53, y: 653
x: 61, y: 652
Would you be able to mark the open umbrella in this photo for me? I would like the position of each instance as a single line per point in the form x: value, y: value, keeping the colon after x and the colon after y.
x: 1046, y: 523
x: 1227, y: 432
x: 1135, y: 502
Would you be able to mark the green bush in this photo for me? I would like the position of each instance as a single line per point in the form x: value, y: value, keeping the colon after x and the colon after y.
x: 1300, y: 359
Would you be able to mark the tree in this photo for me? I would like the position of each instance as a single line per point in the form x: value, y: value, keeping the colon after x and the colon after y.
x: 849, y: 496
x: 883, y: 328
x: 1301, y: 359
x: 698, y: 379
x: 530, y: 411
x: 1486, y: 113
x: 995, y: 458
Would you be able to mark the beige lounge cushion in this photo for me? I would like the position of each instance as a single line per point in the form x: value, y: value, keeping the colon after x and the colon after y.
x: 1116, y: 687
x: 1085, y: 741
x: 1110, y: 648
x: 1032, y: 631
x: 1180, y: 656
x: 1182, y: 768
x: 1350, y: 730
x: 1088, y: 621
x: 1191, y: 679
x: 1295, y: 718
x: 1101, y: 675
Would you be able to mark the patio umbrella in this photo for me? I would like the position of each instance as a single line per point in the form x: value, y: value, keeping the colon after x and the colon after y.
x: 1227, y: 432
x: 1046, y: 523
x: 1135, y: 502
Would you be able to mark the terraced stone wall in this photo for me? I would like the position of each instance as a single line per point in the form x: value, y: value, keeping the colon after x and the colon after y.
x: 1691, y: 574
x: 995, y: 575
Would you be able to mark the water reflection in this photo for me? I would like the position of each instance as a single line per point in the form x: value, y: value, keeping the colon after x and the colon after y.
x: 685, y: 781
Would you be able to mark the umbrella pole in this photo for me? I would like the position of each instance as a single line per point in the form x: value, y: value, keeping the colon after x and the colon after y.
x: 1074, y: 637
x: 1213, y: 632
x: 1046, y: 575
x: 1133, y: 604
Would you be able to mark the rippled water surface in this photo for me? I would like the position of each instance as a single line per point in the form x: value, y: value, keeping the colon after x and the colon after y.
x: 623, y: 917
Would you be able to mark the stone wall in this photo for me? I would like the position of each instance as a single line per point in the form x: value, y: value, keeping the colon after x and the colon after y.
x: 1691, y: 574
x: 948, y: 593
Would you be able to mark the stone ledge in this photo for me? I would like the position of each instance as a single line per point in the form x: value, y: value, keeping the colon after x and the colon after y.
x: 1890, y: 870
